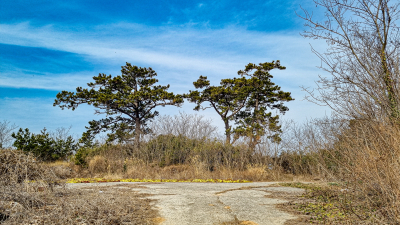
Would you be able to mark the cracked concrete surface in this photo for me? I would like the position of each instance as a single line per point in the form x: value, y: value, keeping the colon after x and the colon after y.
x: 216, y: 203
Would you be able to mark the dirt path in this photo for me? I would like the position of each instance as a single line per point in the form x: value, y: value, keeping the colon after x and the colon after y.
x: 214, y: 203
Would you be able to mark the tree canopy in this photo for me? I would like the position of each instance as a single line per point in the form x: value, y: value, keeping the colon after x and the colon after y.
x: 227, y: 99
x: 263, y: 95
x: 128, y: 101
x: 244, y: 100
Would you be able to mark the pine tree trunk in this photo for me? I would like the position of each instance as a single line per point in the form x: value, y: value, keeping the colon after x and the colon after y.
x: 227, y: 132
x: 138, y: 132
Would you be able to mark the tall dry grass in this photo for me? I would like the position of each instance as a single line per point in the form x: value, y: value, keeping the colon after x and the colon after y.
x: 369, y: 161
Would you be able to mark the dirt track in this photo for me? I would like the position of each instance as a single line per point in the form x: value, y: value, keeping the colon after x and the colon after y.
x: 212, y: 203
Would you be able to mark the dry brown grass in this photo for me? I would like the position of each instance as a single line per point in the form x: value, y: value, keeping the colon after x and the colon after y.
x: 86, y: 206
x: 30, y: 194
x: 200, y: 159
x: 362, y: 158
x: 98, y: 164
x: 136, y: 169
x: 237, y: 222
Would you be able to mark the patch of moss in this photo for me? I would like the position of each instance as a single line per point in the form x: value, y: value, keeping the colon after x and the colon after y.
x: 331, y: 204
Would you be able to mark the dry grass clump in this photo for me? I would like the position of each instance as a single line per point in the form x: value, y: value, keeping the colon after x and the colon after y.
x: 257, y: 172
x: 98, y: 164
x: 29, y: 195
x: 61, y: 169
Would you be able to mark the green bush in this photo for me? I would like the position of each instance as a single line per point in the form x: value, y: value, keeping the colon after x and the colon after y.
x: 81, y: 155
x: 88, y: 146
x: 43, y: 146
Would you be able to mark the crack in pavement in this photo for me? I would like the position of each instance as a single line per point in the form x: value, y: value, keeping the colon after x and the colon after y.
x: 228, y: 208
x: 216, y: 203
x: 251, y: 205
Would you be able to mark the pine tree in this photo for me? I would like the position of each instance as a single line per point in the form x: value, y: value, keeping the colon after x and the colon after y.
x: 128, y: 101
x: 255, y: 119
x: 244, y: 100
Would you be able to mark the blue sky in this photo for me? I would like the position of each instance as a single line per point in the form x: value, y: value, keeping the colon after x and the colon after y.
x: 49, y: 46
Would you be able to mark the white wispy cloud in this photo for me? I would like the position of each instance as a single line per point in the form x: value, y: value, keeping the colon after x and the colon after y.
x: 47, y: 81
x: 179, y: 55
x: 220, y: 53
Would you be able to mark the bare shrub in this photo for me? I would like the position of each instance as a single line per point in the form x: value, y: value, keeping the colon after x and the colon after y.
x: 5, y: 133
x: 362, y: 57
x: 17, y: 172
x: 29, y: 195
x: 97, y: 205
x: 17, y: 167
x: 305, y: 148
x: 193, y: 126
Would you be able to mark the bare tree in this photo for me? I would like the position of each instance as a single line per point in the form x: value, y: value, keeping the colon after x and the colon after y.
x: 5, y: 133
x: 61, y: 133
x: 362, y: 57
x: 190, y: 125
